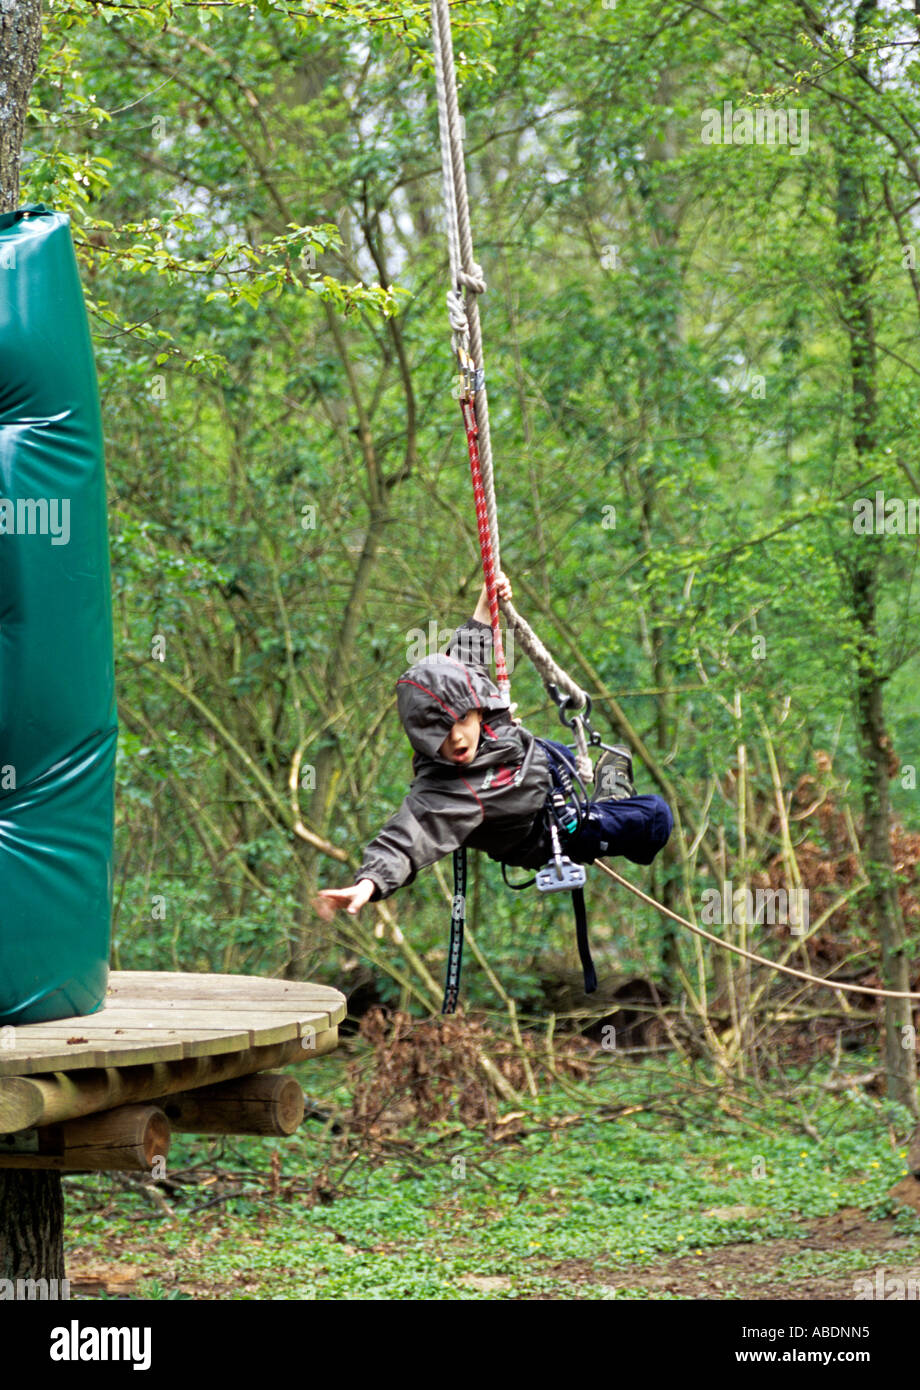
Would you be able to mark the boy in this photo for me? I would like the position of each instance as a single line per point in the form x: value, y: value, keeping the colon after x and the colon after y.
x: 481, y: 780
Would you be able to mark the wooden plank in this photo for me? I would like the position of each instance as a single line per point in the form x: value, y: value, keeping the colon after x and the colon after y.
x: 118, y: 1005
x: 200, y: 988
x: 102, y: 1026
x: 174, y: 984
x: 126, y: 1051
x: 201, y: 1038
x: 143, y: 1020
x: 154, y: 1015
x: 143, y: 1024
x: 48, y: 1054
x: 330, y: 1002
x: 151, y: 1010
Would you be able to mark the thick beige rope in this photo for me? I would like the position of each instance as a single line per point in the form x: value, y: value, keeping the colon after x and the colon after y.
x: 750, y: 955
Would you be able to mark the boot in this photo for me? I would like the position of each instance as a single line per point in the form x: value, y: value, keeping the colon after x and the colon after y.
x: 613, y: 775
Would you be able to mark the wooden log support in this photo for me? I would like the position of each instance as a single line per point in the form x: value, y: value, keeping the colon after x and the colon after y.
x: 78, y: 1095
x: 130, y: 1138
x: 27, y: 1101
x: 20, y: 1104
x: 271, y: 1103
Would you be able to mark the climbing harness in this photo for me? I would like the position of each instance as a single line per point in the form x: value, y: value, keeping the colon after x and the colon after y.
x: 563, y: 814
x: 561, y: 874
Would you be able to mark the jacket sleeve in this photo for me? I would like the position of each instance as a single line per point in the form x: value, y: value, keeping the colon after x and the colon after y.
x: 424, y: 829
x: 472, y: 644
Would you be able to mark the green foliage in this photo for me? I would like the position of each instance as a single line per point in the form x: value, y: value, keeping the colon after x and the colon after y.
x: 649, y: 1167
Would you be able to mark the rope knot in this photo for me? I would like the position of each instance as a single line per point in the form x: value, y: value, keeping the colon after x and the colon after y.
x: 456, y: 313
x: 473, y: 278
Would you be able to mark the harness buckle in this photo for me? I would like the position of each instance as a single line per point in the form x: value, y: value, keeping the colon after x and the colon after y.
x: 561, y: 876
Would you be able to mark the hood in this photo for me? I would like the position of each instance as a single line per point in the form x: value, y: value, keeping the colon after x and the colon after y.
x: 436, y: 692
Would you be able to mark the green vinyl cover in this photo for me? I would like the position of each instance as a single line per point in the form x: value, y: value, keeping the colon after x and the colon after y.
x: 57, y: 692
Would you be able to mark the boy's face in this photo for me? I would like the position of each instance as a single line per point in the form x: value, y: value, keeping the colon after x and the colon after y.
x: 463, y: 740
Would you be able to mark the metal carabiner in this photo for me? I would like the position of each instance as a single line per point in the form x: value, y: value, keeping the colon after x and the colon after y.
x: 472, y: 378
x: 584, y: 715
x: 465, y: 363
x: 563, y: 701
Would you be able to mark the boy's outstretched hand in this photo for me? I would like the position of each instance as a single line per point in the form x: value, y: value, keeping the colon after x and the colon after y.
x: 351, y: 898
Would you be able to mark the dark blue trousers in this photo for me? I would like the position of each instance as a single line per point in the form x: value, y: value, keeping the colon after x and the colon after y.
x: 636, y: 828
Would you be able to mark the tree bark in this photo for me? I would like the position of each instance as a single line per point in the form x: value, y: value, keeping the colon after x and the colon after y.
x: 663, y: 214
x: 31, y: 1204
x: 20, y: 39
x: 31, y: 1225
x: 853, y: 216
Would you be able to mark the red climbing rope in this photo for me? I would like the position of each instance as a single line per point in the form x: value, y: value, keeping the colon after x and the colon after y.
x: 485, y: 542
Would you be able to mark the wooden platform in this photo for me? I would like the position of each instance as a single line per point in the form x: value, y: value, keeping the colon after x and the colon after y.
x: 160, y: 1033
x: 160, y: 1016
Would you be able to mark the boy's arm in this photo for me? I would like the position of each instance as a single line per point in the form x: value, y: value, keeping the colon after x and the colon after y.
x: 422, y: 831
x: 472, y: 640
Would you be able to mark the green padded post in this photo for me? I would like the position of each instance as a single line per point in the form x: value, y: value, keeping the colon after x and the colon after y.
x: 57, y: 693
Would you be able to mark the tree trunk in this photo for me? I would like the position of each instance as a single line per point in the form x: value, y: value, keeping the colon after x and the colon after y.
x: 31, y: 1224
x: 31, y: 1204
x: 663, y: 214
x: 20, y: 39
x: 853, y: 216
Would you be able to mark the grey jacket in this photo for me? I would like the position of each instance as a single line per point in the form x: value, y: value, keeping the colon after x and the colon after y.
x: 493, y: 803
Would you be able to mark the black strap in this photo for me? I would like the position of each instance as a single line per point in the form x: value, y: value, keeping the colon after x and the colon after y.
x: 581, y: 936
x: 457, y: 922
x: 516, y: 886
